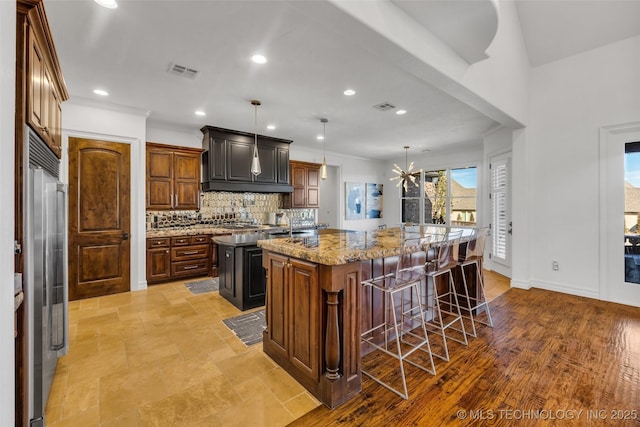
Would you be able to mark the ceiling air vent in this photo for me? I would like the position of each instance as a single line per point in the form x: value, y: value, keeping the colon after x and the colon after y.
x: 385, y: 106
x: 183, y: 70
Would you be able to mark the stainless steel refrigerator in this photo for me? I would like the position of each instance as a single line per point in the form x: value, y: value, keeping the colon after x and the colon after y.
x: 45, y: 286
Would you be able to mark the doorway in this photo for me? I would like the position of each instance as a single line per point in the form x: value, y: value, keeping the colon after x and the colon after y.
x: 500, y: 206
x: 99, y: 218
x: 617, y: 239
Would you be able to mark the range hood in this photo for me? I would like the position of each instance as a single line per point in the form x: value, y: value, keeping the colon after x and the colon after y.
x: 226, y: 162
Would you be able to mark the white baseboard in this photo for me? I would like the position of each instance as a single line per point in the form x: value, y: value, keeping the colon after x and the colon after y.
x: 565, y: 289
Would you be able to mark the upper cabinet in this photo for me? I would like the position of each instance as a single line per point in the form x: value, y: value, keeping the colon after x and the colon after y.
x: 39, y: 73
x: 305, y: 178
x: 227, y: 162
x: 173, y: 177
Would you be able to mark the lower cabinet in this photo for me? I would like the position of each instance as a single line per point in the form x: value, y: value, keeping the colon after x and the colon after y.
x: 242, y: 280
x: 173, y: 258
x: 158, y: 259
x: 294, y: 316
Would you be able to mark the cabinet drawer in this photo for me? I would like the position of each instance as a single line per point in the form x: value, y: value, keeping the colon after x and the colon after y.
x: 181, y: 241
x: 188, y: 268
x: 189, y: 252
x: 159, y: 242
x: 200, y: 240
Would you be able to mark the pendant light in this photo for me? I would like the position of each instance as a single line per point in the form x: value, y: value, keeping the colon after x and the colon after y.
x: 323, y: 168
x: 255, y: 162
x: 404, y: 175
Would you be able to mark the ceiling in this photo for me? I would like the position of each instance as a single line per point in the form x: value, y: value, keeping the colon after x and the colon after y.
x: 128, y: 51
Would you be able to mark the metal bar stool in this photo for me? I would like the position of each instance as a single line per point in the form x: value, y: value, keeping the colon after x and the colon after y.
x: 400, y: 338
x: 442, y: 304
x: 475, y: 303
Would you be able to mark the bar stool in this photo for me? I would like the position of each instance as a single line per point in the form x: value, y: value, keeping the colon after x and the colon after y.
x: 400, y: 338
x: 476, y: 304
x: 443, y: 305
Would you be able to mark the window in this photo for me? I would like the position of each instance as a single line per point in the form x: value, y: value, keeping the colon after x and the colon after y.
x: 632, y: 212
x: 448, y: 196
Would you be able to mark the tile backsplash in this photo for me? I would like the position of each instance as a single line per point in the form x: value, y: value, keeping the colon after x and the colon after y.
x: 220, y: 207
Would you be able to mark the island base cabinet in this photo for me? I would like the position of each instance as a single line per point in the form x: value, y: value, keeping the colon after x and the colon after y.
x: 242, y: 280
x: 312, y: 325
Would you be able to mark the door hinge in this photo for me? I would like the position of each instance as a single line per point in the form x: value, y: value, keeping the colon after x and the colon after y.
x: 17, y: 247
x: 489, y: 255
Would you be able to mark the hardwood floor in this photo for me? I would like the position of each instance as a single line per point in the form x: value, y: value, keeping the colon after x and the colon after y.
x: 551, y: 359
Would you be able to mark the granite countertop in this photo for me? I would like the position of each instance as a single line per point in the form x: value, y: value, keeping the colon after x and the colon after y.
x: 220, y: 229
x: 335, y: 247
x: 244, y: 239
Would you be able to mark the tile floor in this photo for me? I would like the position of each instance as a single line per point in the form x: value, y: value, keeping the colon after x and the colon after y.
x: 163, y: 357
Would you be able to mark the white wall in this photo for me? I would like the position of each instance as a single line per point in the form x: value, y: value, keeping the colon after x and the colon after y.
x: 350, y: 169
x: 570, y: 100
x: 7, y: 117
x: 329, y: 211
x: 174, y: 136
x: 127, y: 127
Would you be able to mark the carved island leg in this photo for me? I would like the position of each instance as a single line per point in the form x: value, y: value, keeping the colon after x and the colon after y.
x: 332, y: 339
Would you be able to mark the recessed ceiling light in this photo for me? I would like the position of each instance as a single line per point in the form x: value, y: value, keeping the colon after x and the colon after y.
x: 271, y: 127
x: 101, y: 92
x: 259, y: 59
x: 200, y: 113
x: 109, y: 4
x: 349, y: 92
x: 319, y: 137
x: 401, y: 112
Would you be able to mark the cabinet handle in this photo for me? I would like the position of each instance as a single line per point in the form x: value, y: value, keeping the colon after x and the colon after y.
x: 191, y: 267
x: 190, y: 253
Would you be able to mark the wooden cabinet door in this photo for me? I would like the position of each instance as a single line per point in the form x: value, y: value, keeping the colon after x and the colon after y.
x: 158, y: 264
x: 253, y: 288
x: 227, y: 272
x: 283, y: 165
x: 313, y: 187
x: 268, y: 164
x: 298, y: 176
x: 159, y: 179
x: 35, y: 86
x: 186, y: 177
x: 217, y: 159
x: 299, y: 182
x: 303, y: 328
x: 277, y: 312
x: 239, y: 161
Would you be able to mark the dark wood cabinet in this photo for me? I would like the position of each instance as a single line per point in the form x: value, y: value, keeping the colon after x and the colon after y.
x: 44, y: 89
x: 305, y: 179
x: 177, y: 257
x: 173, y: 177
x: 158, y: 259
x: 242, y: 279
x: 293, y: 316
x: 227, y: 162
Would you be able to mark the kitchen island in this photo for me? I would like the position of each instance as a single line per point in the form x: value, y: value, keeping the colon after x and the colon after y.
x: 315, y: 307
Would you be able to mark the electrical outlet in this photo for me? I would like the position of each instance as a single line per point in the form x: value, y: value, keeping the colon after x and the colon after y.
x: 554, y: 265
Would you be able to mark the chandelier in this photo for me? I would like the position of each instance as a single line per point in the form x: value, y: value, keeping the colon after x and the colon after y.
x: 404, y: 176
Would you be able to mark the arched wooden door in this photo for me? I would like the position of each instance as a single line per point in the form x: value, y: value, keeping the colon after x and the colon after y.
x: 99, y: 212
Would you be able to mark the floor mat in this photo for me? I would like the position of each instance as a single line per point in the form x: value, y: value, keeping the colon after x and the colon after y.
x: 202, y: 286
x: 248, y: 327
